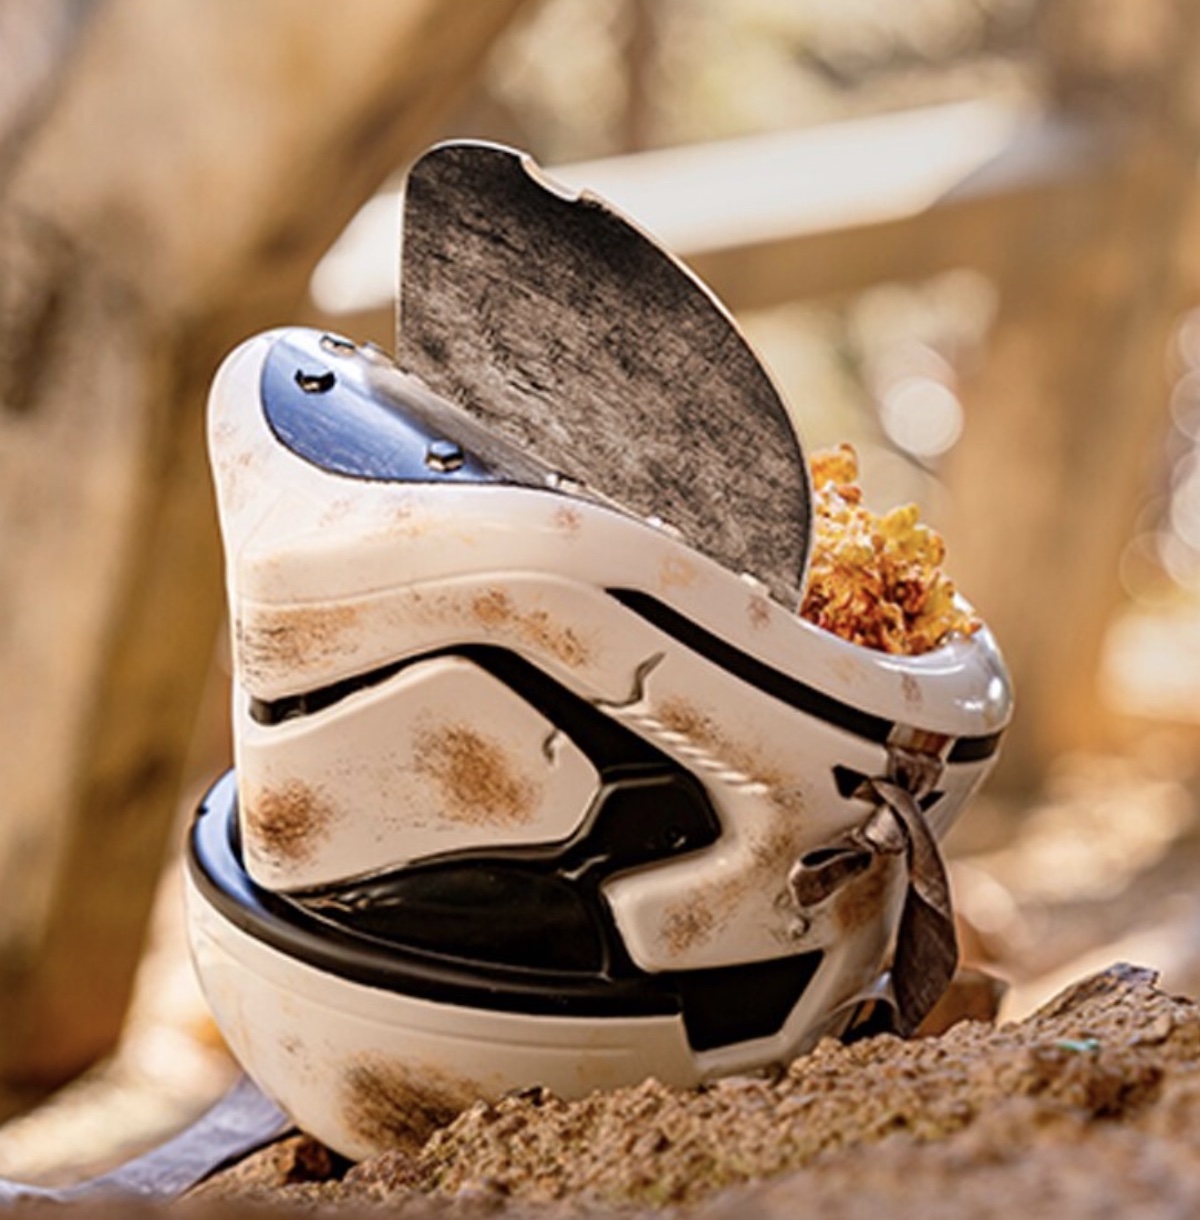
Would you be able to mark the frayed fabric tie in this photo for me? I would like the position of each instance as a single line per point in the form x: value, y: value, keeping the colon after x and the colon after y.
x: 926, y: 952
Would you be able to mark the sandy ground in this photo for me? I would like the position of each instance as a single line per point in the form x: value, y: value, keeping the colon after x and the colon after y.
x: 1090, y: 1107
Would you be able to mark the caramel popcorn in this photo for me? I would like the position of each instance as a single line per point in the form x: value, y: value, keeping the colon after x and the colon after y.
x: 875, y: 580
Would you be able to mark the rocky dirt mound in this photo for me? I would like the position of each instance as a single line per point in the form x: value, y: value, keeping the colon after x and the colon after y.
x: 1090, y: 1107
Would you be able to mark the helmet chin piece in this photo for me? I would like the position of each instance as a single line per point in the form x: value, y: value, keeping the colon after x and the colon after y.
x: 529, y: 788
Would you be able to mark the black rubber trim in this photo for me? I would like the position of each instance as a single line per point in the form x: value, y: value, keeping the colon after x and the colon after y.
x: 537, y: 906
x: 735, y: 1003
x: 848, y: 782
x: 609, y: 744
x: 779, y: 685
x: 289, y: 707
x: 974, y: 749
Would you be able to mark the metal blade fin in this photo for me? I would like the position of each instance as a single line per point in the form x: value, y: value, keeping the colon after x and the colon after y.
x: 557, y: 322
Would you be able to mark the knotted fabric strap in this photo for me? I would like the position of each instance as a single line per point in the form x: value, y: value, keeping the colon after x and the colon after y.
x: 926, y: 952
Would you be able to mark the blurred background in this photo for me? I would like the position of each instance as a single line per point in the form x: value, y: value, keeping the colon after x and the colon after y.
x: 962, y: 233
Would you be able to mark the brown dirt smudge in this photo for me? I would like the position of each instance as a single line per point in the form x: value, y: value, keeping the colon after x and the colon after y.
x: 568, y: 519
x: 700, y: 729
x: 286, y: 823
x: 676, y: 573
x: 292, y: 637
x: 494, y: 610
x: 397, y: 1106
x: 477, y: 779
x: 759, y: 612
x: 693, y: 920
x: 680, y: 716
x: 910, y: 688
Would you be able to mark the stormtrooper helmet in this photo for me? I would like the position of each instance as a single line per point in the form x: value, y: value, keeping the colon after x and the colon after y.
x: 540, y: 779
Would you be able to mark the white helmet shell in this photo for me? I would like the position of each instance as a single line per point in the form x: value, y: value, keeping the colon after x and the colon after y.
x: 524, y: 782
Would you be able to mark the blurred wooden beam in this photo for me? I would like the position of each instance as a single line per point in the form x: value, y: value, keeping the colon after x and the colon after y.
x: 816, y: 213
x: 183, y: 170
x: 780, y: 217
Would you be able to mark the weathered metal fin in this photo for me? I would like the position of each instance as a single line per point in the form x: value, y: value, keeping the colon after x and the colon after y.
x: 560, y: 324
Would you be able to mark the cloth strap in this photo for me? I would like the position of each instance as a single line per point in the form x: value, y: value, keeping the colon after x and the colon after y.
x: 926, y: 952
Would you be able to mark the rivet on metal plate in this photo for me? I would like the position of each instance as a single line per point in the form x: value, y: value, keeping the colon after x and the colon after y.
x: 336, y: 345
x: 315, y: 380
x: 444, y: 456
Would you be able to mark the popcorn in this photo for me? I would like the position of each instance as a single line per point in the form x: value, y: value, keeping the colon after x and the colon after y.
x: 876, y: 580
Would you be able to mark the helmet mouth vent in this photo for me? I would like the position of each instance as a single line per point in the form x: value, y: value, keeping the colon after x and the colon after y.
x: 710, y: 1002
